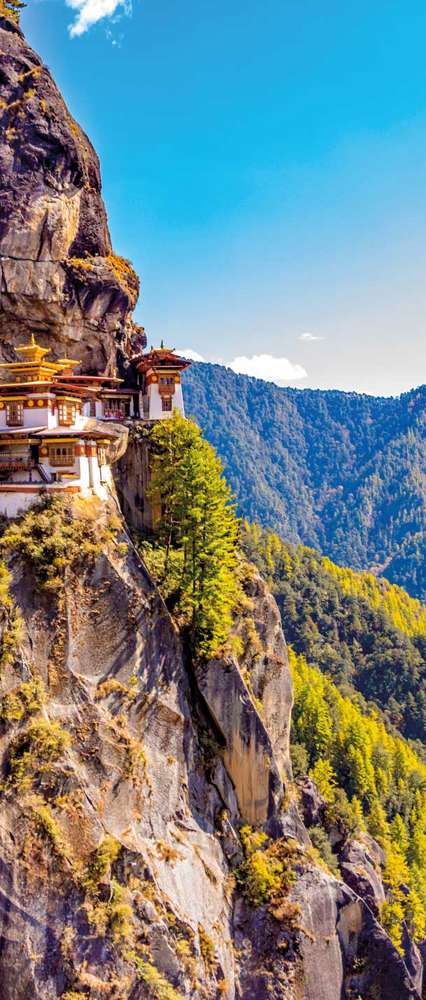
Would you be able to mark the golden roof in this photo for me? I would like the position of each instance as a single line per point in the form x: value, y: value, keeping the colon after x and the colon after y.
x: 33, y: 351
x: 34, y: 366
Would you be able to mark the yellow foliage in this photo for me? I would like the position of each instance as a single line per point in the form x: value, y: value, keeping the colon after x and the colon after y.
x: 100, y: 862
x: 26, y: 699
x: 261, y: 873
x: 160, y: 988
x: 50, y: 827
x: 34, y: 751
x: 207, y: 948
x: 355, y: 755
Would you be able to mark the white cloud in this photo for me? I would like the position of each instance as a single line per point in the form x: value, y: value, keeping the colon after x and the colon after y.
x: 89, y: 12
x: 310, y: 337
x: 187, y: 352
x: 268, y: 368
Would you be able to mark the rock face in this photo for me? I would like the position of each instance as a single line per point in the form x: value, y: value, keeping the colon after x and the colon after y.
x: 250, y: 703
x: 119, y: 841
x: 111, y: 663
x: 58, y: 275
x: 360, y: 863
x: 131, y: 475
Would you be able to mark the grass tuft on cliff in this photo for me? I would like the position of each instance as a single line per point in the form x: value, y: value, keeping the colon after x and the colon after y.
x: 53, y: 537
x: 33, y: 752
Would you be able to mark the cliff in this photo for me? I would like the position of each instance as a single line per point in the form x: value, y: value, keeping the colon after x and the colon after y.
x: 58, y: 275
x: 127, y: 785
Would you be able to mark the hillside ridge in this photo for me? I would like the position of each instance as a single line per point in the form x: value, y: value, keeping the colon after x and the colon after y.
x: 342, y: 472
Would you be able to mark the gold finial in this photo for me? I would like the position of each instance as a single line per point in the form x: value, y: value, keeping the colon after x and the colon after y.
x: 33, y: 341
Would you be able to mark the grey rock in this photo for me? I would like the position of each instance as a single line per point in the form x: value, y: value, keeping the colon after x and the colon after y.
x: 312, y: 804
x: 358, y: 864
x: 58, y: 275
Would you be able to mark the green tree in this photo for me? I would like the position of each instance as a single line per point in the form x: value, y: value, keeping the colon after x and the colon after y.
x: 325, y: 779
x: 378, y: 825
x: 399, y: 834
x: 196, y: 524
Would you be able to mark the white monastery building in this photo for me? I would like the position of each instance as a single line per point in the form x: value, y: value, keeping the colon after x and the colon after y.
x: 55, y: 426
x: 161, y: 388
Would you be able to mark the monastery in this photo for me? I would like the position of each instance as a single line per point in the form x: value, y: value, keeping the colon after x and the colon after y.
x: 56, y: 426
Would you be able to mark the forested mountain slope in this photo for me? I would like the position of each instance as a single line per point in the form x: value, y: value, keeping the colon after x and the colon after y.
x: 368, y: 635
x: 342, y: 472
x: 369, y: 780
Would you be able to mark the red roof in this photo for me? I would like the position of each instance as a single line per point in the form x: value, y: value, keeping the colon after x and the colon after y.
x: 161, y: 358
x: 90, y: 378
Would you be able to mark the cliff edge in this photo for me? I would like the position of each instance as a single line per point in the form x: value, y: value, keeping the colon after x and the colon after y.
x: 59, y: 277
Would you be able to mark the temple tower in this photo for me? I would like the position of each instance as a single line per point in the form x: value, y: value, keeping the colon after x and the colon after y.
x: 161, y: 389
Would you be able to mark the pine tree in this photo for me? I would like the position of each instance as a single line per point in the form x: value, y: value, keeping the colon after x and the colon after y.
x: 197, y: 519
x: 378, y: 825
x: 325, y: 779
x: 358, y: 814
x: 399, y: 834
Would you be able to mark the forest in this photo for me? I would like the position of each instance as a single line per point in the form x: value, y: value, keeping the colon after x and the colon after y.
x: 371, y: 780
x: 341, y: 472
x: 368, y: 635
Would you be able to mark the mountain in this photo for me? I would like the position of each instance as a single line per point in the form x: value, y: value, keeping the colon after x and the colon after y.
x: 341, y: 472
x: 368, y: 635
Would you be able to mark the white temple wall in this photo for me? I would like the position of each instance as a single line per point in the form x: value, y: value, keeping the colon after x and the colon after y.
x: 12, y: 504
x: 105, y: 474
x: 95, y: 472
x: 84, y: 472
x: 39, y: 416
x: 154, y: 409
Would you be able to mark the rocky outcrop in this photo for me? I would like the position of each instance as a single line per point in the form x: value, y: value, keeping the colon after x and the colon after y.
x: 340, y: 934
x: 360, y: 863
x: 131, y: 476
x: 58, y: 275
x: 248, y: 750
x: 250, y: 701
x: 312, y: 804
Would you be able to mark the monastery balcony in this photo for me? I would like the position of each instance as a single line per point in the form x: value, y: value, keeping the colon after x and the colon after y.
x: 23, y: 471
x: 9, y: 463
x: 114, y: 414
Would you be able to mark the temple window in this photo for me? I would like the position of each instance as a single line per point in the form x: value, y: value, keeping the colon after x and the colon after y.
x: 61, y: 454
x: 166, y: 402
x: 114, y: 408
x: 102, y: 456
x: 166, y: 385
x: 67, y: 413
x: 15, y: 414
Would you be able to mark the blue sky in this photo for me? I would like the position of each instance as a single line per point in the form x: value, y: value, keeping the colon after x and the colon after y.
x: 264, y: 168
